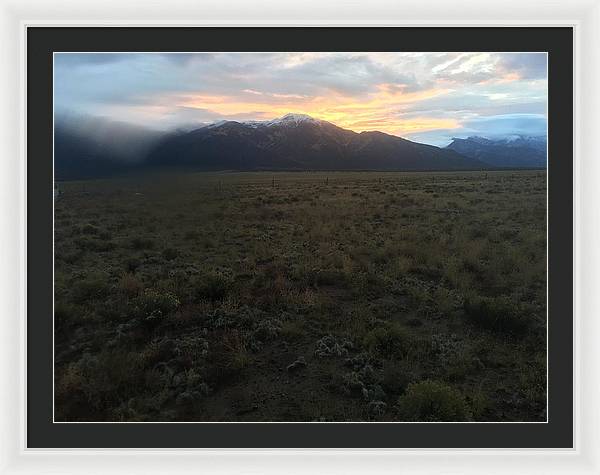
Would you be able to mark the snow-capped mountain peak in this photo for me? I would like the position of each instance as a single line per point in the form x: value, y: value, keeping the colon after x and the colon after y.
x: 286, y: 120
x: 292, y: 119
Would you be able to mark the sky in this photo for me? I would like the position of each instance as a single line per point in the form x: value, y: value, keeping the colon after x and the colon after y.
x: 425, y: 97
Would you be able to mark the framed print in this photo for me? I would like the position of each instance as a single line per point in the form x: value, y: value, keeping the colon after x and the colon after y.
x: 348, y: 240
x: 263, y: 240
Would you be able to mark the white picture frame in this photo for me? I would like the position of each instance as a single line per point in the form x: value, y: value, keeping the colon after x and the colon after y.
x: 582, y: 15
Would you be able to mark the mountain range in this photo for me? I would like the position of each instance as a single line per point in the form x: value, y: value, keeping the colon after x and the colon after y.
x: 509, y: 152
x: 292, y: 142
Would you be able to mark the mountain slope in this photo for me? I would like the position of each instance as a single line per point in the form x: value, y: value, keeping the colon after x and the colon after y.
x: 298, y: 142
x: 516, y: 152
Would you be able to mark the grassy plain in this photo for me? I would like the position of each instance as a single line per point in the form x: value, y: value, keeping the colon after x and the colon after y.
x: 302, y: 297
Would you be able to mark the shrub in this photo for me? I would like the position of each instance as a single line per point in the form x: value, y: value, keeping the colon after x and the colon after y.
x: 292, y: 330
x: 130, y: 285
x: 153, y: 305
x: 388, y: 341
x: 395, y: 378
x: 229, y: 356
x: 169, y: 253
x: 139, y: 243
x: 101, y: 381
x: 92, y: 287
x: 132, y: 264
x: 191, y: 235
x: 89, y: 229
x: 64, y: 314
x: 432, y: 401
x: 105, y: 235
x: 88, y: 243
x: 498, y: 314
x: 212, y: 286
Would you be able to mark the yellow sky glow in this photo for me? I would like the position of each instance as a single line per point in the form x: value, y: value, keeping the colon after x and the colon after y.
x: 381, y: 110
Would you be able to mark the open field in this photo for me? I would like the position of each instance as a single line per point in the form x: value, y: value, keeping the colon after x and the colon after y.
x: 302, y: 297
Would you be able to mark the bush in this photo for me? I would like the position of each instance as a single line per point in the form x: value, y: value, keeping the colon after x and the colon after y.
x: 229, y: 356
x: 498, y: 314
x: 432, y: 401
x: 65, y: 314
x: 93, y: 287
x: 213, y: 286
x: 389, y: 341
x: 130, y: 285
x: 191, y: 235
x: 153, y: 305
x: 89, y: 229
x: 132, y: 264
x: 139, y: 243
x: 395, y: 378
x: 100, y: 381
x: 93, y: 244
x: 169, y: 253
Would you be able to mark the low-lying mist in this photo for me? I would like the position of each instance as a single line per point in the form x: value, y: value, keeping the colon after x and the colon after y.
x: 118, y: 141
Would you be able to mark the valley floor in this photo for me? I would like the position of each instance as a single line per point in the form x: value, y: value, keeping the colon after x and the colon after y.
x: 339, y: 296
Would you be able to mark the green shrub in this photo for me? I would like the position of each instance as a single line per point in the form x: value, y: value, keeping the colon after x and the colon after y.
x: 432, y: 401
x: 389, y: 341
x: 498, y: 314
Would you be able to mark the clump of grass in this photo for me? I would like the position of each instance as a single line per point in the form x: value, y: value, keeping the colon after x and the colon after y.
x: 432, y: 401
x: 498, y: 314
x: 229, y: 356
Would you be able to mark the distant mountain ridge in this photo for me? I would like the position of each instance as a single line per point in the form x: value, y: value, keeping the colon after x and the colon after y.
x: 291, y: 142
x: 300, y: 142
x: 518, y: 151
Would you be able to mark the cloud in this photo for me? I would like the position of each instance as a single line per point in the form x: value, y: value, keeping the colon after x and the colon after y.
x: 494, y: 126
x: 526, y: 65
x: 74, y: 60
x: 399, y: 93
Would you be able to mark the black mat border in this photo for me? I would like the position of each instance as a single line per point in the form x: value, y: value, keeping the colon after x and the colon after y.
x: 42, y: 433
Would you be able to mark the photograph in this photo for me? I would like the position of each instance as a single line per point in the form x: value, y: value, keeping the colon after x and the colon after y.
x: 315, y: 237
